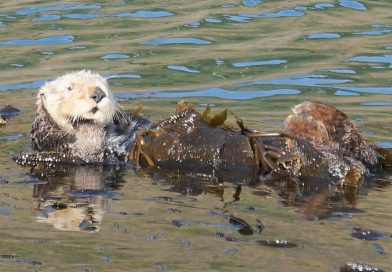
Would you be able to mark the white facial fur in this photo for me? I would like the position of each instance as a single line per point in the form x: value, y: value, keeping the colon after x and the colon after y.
x: 68, y: 99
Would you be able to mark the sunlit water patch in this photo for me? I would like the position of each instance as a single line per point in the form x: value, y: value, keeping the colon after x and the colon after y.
x: 352, y: 4
x: 33, y: 10
x: 324, y: 35
x: 209, y: 92
x: 2, y: 24
x: 258, y: 63
x: 183, y: 69
x: 176, y: 40
x: 58, y: 39
x: 115, y: 56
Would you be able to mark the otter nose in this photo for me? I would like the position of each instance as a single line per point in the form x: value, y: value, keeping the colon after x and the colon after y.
x: 98, y: 95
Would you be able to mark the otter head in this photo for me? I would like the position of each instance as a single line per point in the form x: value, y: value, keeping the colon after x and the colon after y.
x: 76, y: 97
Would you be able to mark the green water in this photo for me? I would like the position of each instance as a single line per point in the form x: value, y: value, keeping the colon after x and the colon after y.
x: 257, y: 58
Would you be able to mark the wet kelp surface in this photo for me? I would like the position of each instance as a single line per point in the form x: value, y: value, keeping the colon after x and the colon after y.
x: 256, y: 58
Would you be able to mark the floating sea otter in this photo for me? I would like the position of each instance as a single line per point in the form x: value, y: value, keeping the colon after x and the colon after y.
x: 78, y: 119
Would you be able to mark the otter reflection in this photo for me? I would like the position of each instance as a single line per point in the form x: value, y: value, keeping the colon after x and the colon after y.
x: 75, y: 197
x: 315, y: 198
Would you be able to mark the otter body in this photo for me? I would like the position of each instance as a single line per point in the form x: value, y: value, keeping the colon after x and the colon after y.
x: 78, y: 119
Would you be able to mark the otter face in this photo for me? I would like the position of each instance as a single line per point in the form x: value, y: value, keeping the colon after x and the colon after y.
x: 78, y: 97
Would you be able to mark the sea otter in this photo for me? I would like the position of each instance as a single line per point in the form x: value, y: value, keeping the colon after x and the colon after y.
x: 78, y: 120
x: 78, y: 117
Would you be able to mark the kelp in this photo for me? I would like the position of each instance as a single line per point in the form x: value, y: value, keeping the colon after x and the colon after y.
x: 214, y: 120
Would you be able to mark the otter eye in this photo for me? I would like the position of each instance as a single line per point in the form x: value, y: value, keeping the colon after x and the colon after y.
x: 69, y: 88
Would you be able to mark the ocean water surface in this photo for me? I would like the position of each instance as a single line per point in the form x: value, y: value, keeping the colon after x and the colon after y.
x: 256, y: 58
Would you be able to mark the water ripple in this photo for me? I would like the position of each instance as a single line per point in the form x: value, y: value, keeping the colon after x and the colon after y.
x: 308, y: 80
x: 208, y: 92
x: 258, y: 63
x: 377, y: 103
x: 278, y: 14
x: 33, y: 10
x: 341, y: 71
x: 19, y: 86
x: 59, y: 39
x: 323, y: 5
x: 251, y: 3
x: 86, y: 16
x: 352, y: 4
x: 47, y: 17
x: 115, y: 56
x: 176, y: 40
x: 373, y: 59
x: 121, y: 76
x: 325, y: 35
x: 182, y: 68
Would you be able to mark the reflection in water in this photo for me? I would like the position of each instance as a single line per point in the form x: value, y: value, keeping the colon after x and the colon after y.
x: 75, y: 197
x: 315, y: 198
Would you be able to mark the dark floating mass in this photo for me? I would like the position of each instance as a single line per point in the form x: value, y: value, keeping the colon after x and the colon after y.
x: 244, y: 227
x: 356, y: 267
x: 9, y: 111
x: 277, y: 243
x: 378, y: 248
x: 227, y: 237
x: 369, y: 234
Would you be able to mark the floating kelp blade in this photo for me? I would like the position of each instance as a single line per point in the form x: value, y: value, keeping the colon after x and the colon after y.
x: 214, y: 120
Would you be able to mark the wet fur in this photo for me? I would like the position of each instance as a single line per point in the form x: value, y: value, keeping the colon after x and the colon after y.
x: 66, y: 123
